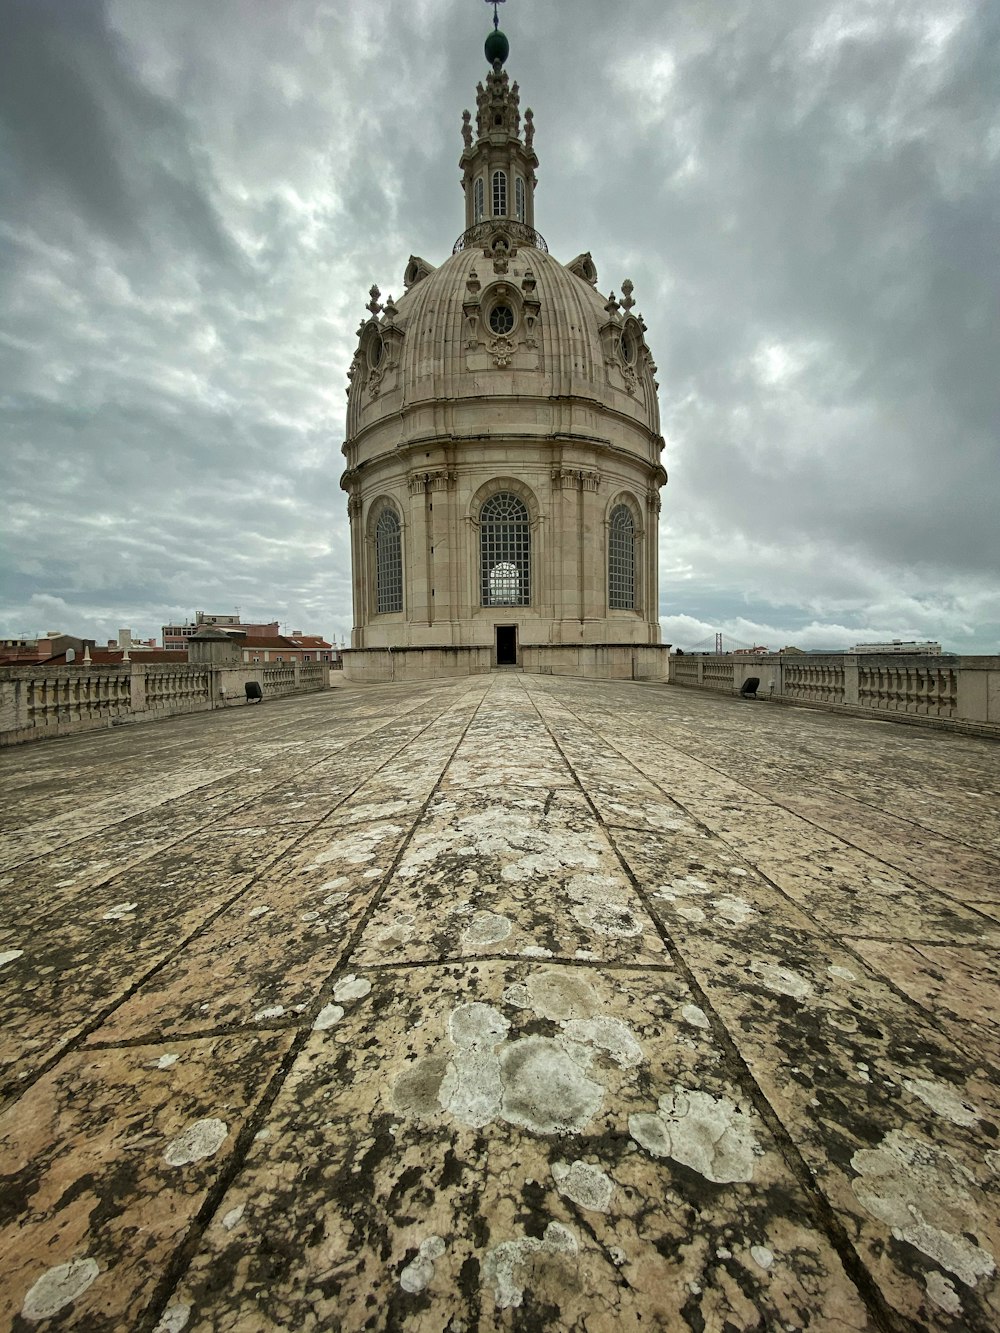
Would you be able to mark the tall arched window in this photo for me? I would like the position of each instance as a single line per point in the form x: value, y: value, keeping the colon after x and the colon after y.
x: 519, y: 198
x: 621, y: 559
x: 505, y: 551
x: 478, y: 200
x: 499, y: 194
x: 388, y: 563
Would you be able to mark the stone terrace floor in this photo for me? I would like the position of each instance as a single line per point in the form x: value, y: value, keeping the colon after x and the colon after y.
x: 505, y: 1003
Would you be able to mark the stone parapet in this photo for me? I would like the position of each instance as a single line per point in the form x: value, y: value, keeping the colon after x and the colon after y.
x: 959, y: 692
x: 39, y: 702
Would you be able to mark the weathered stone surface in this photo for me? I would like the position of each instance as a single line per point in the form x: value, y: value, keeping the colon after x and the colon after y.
x: 502, y: 1003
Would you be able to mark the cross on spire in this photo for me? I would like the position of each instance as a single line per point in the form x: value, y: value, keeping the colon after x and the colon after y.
x: 496, y: 17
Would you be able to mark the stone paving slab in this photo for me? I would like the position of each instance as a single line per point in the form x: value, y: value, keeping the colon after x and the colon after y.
x: 508, y: 1003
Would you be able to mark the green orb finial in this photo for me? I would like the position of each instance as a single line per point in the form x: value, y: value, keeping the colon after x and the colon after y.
x: 497, y: 47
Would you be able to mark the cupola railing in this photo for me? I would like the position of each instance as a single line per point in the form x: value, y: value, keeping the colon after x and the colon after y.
x: 519, y: 232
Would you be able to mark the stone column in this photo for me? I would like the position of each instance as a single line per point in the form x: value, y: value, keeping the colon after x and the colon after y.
x: 358, y: 572
x: 651, y: 579
x: 593, y: 548
x: 440, y: 572
x: 418, y: 558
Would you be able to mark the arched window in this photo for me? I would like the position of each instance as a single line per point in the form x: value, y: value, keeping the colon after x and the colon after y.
x: 505, y: 551
x: 621, y: 559
x: 519, y: 198
x: 388, y: 563
x: 499, y: 194
x: 478, y: 200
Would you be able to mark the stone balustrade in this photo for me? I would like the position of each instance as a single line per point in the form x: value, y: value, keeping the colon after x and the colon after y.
x: 39, y: 701
x: 962, y: 692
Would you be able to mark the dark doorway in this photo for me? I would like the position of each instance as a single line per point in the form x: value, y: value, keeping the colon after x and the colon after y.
x: 506, y: 645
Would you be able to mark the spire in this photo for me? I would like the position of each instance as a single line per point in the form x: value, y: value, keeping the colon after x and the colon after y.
x: 498, y: 166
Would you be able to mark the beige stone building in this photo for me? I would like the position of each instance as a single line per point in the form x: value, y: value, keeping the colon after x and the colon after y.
x: 503, y: 451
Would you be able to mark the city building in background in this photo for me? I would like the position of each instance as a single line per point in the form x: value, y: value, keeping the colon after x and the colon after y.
x: 899, y: 646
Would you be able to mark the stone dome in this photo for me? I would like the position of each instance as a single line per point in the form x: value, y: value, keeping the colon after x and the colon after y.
x: 443, y: 339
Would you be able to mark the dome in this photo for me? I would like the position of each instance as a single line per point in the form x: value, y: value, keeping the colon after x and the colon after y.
x: 520, y: 325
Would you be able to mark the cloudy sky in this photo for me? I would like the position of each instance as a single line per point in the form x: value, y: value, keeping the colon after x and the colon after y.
x: 195, y: 199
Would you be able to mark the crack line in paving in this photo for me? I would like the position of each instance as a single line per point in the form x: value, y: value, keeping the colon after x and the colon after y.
x: 181, y: 1258
x: 104, y: 1014
x: 882, y: 1313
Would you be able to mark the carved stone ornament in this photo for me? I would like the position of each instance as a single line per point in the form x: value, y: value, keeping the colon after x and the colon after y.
x: 627, y: 289
x: 373, y: 304
x: 630, y: 378
x: 439, y: 479
x: 467, y: 129
x: 375, y: 377
x: 502, y: 350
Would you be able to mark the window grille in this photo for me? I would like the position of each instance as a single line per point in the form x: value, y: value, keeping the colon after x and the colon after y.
x: 501, y: 319
x: 519, y: 198
x: 478, y: 200
x: 621, y: 560
x: 388, y: 563
x: 499, y: 194
x: 505, y: 551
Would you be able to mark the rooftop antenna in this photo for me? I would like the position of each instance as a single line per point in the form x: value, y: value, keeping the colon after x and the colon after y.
x: 496, y: 17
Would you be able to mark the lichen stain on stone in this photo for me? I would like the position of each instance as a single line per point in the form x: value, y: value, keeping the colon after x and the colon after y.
x: 517, y: 842
x: 420, y: 1272
x: 559, y: 995
x: 174, y: 1319
x: 942, y: 1292
x: 711, y: 1135
x: 781, y: 980
x: 59, y: 1287
x: 544, y: 1089
x: 692, y: 913
x: 596, y: 909
x: 486, y: 928
x: 922, y: 1193
x: 694, y: 1016
x: 611, y: 1035
x: 329, y: 1016
x: 477, y: 1025
x: 204, y: 1138
x: 507, y: 1266
x: 471, y: 1089
x: 355, y: 847
x: 761, y: 1256
x: 733, y: 910
x: 119, y: 911
x: 164, y: 1061
x: 943, y: 1100
x: 417, y: 1088
x: 585, y: 1184
x: 269, y: 1011
x: 350, y: 988
x: 8, y: 956
x: 841, y: 973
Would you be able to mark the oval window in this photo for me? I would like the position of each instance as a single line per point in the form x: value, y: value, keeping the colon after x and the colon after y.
x: 501, y: 319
